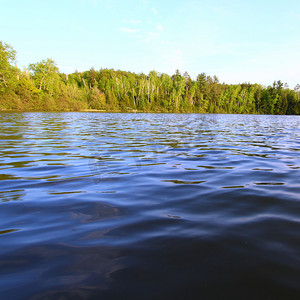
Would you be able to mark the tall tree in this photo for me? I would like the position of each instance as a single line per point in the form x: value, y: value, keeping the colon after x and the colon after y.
x: 46, y: 77
x: 9, y: 73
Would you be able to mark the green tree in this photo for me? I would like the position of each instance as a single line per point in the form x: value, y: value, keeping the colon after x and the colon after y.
x: 45, y: 75
x: 9, y: 73
x: 97, y: 99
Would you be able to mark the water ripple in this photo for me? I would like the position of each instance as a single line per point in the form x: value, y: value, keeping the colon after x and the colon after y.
x: 149, y: 206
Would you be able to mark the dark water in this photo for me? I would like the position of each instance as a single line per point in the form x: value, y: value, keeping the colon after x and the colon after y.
x: 149, y: 206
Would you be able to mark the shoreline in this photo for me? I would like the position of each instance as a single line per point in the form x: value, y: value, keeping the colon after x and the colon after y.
x: 133, y: 111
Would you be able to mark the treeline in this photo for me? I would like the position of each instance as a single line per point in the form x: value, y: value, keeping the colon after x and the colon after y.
x: 42, y: 87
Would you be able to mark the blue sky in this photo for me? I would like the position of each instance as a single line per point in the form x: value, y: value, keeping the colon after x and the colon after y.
x: 239, y: 41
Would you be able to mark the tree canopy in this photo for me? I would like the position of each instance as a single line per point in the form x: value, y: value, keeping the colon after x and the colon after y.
x: 42, y: 87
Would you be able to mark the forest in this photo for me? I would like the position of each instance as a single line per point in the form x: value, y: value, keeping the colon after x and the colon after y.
x: 41, y: 87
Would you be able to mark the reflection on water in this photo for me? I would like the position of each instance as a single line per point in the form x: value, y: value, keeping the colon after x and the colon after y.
x: 149, y: 206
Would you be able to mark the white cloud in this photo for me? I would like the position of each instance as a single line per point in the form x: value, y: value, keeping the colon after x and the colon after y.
x: 132, y: 21
x: 129, y: 30
x: 154, y: 10
x: 159, y: 27
x: 153, y: 34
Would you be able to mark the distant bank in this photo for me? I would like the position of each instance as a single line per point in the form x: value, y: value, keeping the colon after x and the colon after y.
x: 42, y: 87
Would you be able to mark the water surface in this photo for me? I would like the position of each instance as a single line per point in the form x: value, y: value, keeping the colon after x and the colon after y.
x: 149, y: 206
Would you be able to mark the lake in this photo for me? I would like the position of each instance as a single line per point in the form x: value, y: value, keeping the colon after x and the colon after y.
x: 149, y: 206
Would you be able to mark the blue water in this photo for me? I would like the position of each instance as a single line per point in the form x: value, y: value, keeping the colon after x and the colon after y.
x: 149, y: 206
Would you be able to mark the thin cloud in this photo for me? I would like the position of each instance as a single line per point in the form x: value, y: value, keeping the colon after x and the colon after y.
x: 159, y: 27
x: 132, y: 21
x: 135, y: 21
x: 154, y: 10
x: 129, y: 30
x: 153, y: 34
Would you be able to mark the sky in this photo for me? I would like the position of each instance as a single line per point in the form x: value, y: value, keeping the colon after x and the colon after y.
x: 256, y: 41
